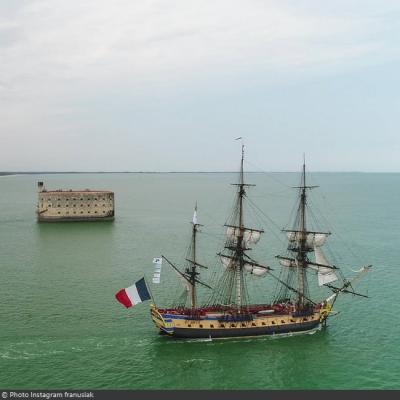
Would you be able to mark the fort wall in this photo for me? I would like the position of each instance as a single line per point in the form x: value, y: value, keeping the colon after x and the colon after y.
x: 74, y: 205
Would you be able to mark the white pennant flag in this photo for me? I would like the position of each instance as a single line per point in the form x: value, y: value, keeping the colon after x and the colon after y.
x: 157, y: 269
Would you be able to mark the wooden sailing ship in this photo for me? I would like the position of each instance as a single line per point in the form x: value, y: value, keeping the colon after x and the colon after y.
x: 228, y: 312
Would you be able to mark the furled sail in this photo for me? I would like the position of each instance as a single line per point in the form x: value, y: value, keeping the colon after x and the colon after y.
x: 186, y: 284
x: 227, y: 262
x: 287, y: 263
x: 312, y: 239
x: 255, y: 270
x: 325, y: 274
x: 250, y: 236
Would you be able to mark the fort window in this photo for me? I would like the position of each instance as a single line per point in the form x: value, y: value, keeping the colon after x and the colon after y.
x: 201, y: 326
x: 95, y: 212
x: 282, y: 321
x: 189, y: 325
x: 273, y: 322
x: 58, y: 205
x: 74, y: 212
x: 233, y: 325
x: 253, y: 324
x: 243, y: 324
x: 59, y: 212
x: 211, y: 326
x: 81, y: 212
x: 262, y: 323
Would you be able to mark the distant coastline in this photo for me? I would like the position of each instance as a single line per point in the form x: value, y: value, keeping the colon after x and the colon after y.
x: 8, y: 173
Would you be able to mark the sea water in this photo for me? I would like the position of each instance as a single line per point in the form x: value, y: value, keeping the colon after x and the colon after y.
x: 61, y: 327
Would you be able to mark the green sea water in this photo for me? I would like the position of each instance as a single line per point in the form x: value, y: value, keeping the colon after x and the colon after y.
x: 60, y: 326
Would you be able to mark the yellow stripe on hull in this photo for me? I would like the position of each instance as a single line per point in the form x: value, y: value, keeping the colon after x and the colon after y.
x: 181, y: 325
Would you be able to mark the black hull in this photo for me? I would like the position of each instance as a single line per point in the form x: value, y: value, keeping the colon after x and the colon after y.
x: 195, y: 333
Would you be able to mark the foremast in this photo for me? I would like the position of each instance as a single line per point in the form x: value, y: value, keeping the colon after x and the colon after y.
x: 189, y: 276
x: 192, y: 270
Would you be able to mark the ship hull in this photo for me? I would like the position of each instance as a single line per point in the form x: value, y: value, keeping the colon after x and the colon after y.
x: 244, y: 332
x: 208, y: 326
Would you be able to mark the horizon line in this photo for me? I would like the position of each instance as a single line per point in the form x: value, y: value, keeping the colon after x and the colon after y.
x: 7, y: 173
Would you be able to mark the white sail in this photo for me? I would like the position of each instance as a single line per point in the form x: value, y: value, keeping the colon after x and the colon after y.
x: 325, y: 275
x: 287, y: 263
x: 312, y: 239
x: 250, y: 236
x: 319, y: 239
x: 255, y: 270
x: 195, y: 216
x: 227, y: 262
x: 320, y: 256
x: 185, y: 284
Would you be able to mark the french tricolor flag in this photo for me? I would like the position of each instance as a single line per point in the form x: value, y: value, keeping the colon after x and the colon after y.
x: 134, y: 294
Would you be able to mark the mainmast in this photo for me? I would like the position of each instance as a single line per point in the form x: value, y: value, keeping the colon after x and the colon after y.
x: 231, y: 288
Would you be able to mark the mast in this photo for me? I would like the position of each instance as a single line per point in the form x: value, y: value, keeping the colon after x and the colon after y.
x: 239, y: 248
x: 299, y: 244
x: 231, y: 288
x: 193, y: 273
x: 301, y: 255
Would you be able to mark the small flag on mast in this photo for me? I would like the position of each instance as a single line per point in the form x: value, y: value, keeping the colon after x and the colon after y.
x: 135, y: 294
x: 195, y: 215
x: 157, y: 269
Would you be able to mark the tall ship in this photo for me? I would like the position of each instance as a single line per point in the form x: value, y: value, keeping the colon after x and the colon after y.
x: 228, y: 311
x: 74, y: 205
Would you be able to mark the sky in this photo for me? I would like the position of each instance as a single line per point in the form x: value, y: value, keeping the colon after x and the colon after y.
x: 167, y: 85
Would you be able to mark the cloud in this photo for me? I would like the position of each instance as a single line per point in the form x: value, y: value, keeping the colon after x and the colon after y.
x: 58, y: 40
x: 59, y: 57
